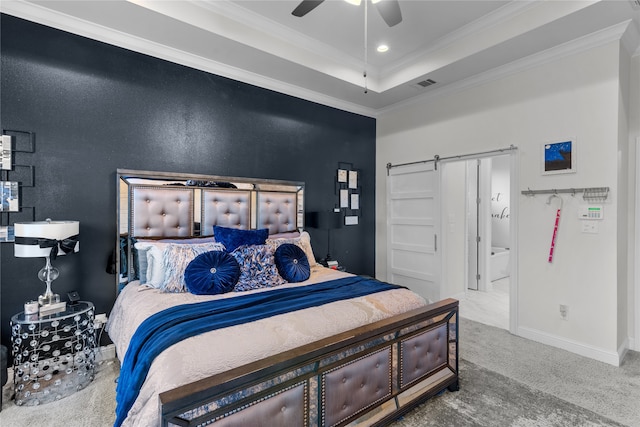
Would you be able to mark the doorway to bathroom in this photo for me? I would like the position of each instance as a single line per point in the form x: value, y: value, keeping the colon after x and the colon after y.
x: 488, y: 255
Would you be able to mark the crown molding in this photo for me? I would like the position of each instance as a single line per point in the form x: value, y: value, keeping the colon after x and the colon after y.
x: 506, y: 12
x: 581, y: 44
x: 287, y: 35
x: 631, y: 40
x: 45, y: 16
x: 39, y: 14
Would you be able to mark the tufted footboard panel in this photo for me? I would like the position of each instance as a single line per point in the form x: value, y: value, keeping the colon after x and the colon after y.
x: 367, y: 376
x: 422, y: 354
x: 355, y: 386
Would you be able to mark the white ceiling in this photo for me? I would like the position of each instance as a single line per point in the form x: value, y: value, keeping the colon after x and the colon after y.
x: 321, y: 56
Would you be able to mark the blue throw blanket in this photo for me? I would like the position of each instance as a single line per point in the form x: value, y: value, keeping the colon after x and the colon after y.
x: 175, y: 324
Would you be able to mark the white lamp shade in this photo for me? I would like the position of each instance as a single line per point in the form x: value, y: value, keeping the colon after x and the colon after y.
x: 57, y: 230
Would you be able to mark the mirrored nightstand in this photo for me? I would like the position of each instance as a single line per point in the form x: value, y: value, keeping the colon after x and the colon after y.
x: 53, y: 356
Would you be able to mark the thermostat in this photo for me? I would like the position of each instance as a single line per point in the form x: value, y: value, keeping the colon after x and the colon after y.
x: 591, y: 212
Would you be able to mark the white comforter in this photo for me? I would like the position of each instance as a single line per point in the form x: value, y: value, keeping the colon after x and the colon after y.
x: 217, y: 351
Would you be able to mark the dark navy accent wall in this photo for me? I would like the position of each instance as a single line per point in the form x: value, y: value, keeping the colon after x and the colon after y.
x: 94, y: 108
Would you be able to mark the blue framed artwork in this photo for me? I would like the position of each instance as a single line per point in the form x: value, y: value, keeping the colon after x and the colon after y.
x: 559, y: 157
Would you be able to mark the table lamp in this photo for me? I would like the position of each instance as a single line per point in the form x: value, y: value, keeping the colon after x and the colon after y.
x: 324, y: 220
x: 46, y: 239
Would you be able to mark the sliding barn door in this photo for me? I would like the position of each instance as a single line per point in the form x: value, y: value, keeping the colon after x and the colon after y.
x: 413, y: 228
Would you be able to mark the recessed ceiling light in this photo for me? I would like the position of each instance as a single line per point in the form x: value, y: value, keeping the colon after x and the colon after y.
x: 383, y: 48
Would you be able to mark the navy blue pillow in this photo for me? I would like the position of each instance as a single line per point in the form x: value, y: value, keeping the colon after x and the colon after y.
x: 231, y: 238
x: 211, y: 273
x: 292, y: 263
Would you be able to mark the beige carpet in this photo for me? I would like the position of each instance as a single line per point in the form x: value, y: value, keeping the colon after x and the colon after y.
x: 488, y: 399
x: 93, y: 406
x: 506, y: 381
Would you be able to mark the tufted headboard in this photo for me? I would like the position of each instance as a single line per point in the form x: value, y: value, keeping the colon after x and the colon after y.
x: 170, y: 205
x: 227, y: 208
x: 157, y: 211
x: 277, y: 211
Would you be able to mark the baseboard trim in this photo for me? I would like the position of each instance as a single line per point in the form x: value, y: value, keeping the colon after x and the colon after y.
x: 610, y: 357
x: 105, y: 352
x: 622, y: 351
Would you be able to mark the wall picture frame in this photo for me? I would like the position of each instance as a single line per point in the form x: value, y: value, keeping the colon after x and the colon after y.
x: 10, y: 199
x: 351, y: 220
x: 353, y: 179
x: 6, y: 149
x: 342, y: 175
x: 559, y: 156
x: 344, y: 198
x: 355, y: 201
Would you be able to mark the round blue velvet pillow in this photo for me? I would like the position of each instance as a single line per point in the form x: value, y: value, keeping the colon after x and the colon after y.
x: 292, y: 263
x: 211, y: 273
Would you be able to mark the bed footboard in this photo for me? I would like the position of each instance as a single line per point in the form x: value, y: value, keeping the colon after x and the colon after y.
x: 367, y: 376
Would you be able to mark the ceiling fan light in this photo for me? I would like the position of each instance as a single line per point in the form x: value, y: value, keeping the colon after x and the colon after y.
x: 354, y: 2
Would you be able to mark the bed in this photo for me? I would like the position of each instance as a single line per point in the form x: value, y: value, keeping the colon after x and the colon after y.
x: 362, y: 359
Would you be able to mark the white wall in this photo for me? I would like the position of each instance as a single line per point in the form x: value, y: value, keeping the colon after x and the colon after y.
x: 623, y: 206
x: 453, y: 228
x: 575, y: 96
x: 634, y: 212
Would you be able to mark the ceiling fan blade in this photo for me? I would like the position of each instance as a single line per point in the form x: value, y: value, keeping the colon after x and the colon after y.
x: 390, y: 11
x: 305, y: 7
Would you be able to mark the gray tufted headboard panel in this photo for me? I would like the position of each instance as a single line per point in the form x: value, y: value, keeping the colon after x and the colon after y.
x: 174, y: 205
x: 158, y: 211
x: 227, y: 208
x: 277, y: 211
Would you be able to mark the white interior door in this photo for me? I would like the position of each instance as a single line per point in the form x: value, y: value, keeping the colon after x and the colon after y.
x: 413, y: 227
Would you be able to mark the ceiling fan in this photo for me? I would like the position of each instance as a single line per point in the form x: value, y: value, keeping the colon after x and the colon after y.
x: 388, y: 9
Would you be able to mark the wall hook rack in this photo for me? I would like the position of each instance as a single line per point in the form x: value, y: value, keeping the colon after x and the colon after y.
x: 590, y: 194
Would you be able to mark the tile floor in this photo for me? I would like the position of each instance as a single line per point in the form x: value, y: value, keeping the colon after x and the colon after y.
x: 490, y: 308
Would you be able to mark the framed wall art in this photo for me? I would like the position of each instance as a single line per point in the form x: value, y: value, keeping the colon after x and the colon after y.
x: 559, y: 156
x: 10, y: 196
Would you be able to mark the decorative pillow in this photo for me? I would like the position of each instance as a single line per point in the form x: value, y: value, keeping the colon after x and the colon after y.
x: 155, y: 266
x: 232, y: 238
x: 292, y: 263
x: 211, y: 273
x: 304, y: 242
x: 156, y: 263
x: 144, y: 263
x: 257, y: 268
x: 175, y: 259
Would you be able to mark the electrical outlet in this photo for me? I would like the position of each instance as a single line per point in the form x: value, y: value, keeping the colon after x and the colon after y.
x: 564, y: 311
x: 100, y: 319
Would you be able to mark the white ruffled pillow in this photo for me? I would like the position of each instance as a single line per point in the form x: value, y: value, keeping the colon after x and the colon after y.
x: 143, y: 246
x: 166, y: 263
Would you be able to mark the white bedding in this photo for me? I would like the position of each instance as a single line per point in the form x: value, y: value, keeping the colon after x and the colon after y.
x: 201, y: 356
